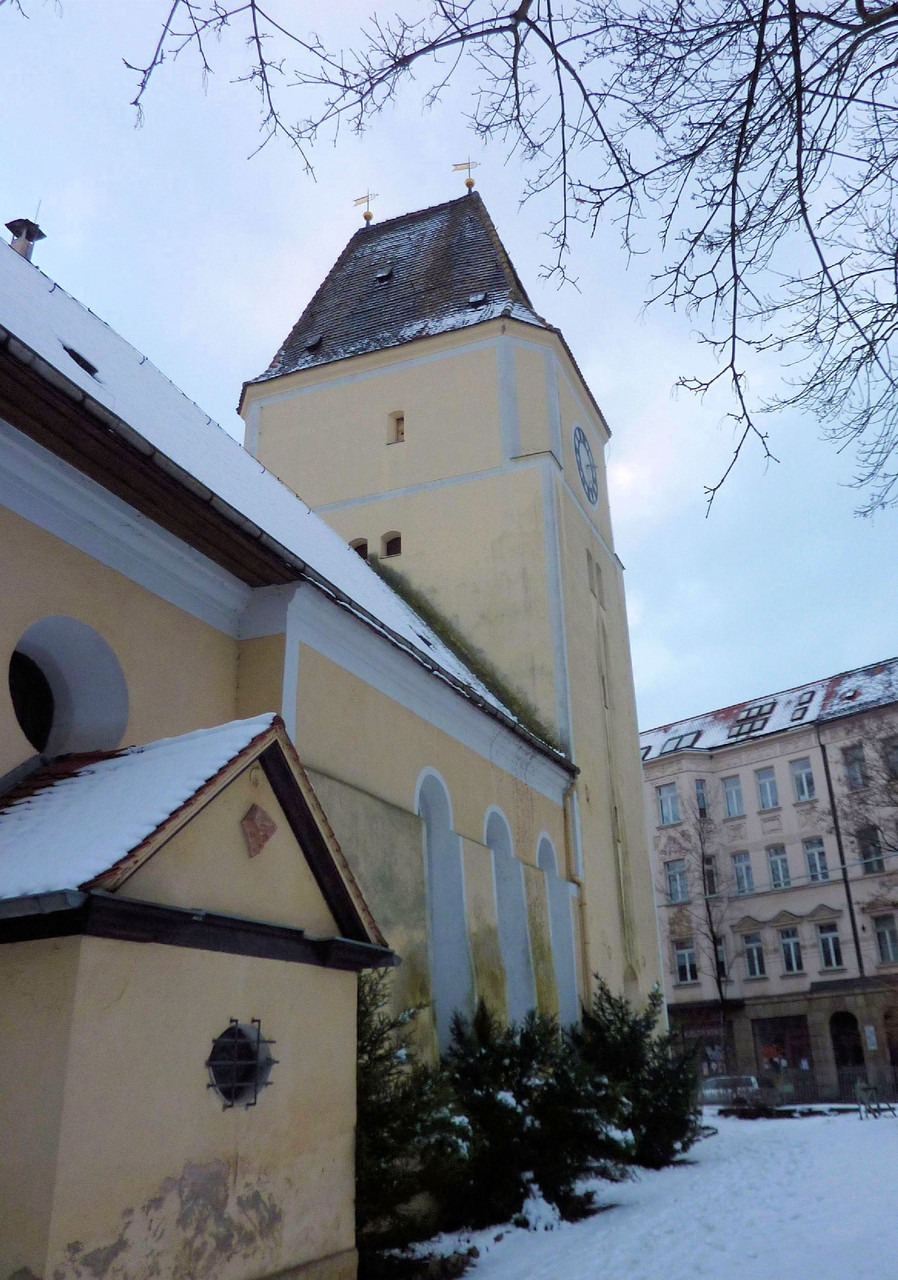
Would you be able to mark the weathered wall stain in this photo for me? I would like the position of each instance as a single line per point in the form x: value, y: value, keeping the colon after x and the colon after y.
x: 194, y: 1227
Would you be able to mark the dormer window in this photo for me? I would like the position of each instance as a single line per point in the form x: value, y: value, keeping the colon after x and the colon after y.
x: 477, y: 300
x: 313, y: 342
x: 384, y: 274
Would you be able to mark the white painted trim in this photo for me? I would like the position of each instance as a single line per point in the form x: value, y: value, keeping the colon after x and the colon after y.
x: 553, y: 405
x: 428, y: 772
x: 251, y: 430
x: 345, y: 640
x: 589, y: 412
x: 507, y: 468
x: 266, y: 613
x: 363, y: 375
x: 509, y: 421
x: 56, y: 497
x: 290, y: 685
x: 563, y: 715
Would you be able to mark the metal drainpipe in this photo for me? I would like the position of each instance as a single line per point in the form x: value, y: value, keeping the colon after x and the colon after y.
x: 838, y: 834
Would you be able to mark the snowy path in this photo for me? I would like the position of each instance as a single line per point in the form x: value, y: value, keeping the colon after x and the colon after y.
x: 808, y: 1199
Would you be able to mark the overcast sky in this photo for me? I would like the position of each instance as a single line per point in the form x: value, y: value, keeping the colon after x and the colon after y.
x: 203, y: 258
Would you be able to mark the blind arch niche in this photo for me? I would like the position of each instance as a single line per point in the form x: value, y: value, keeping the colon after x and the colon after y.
x: 561, y: 933
x: 511, y: 916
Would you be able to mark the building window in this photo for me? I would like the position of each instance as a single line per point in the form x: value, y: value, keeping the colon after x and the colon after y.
x: 779, y: 867
x: 396, y: 428
x: 732, y: 797
x: 701, y: 798
x: 887, y: 938
x: 792, y: 962
x: 830, y: 946
x: 754, y: 956
x: 816, y: 856
x: 360, y: 547
x: 890, y: 756
x: 391, y: 544
x: 855, y: 766
x: 668, y: 804
x: 767, y: 793
x: 240, y: 1063
x: 684, y: 956
x: 709, y: 872
x: 745, y: 881
x: 679, y: 741
x: 870, y: 846
x: 677, y: 882
x: 720, y: 956
x: 803, y: 780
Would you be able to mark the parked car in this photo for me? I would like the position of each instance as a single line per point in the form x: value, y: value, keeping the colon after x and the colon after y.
x: 723, y: 1091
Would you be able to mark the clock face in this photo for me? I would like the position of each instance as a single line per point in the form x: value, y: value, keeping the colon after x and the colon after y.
x: 586, y: 466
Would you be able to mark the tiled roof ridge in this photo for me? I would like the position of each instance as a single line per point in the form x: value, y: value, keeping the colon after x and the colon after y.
x: 831, y: 681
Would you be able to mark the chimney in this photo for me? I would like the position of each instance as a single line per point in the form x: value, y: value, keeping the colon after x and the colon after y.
x: 25, y: 235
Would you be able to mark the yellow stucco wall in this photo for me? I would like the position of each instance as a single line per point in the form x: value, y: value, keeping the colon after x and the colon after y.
x: 206, y: 864
x: 180, y: 673
x: 37, y: 995
x: 312, y: 441
x: 150, y: 1165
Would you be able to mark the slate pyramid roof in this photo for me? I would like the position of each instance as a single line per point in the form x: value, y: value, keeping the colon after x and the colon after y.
x: 433, y: 271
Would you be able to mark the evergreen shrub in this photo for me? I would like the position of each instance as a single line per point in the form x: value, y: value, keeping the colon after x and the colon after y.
x: 656, y: 1084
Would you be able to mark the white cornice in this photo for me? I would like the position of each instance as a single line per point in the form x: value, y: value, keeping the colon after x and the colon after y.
x: 56, y: 497
x: 344, y: 639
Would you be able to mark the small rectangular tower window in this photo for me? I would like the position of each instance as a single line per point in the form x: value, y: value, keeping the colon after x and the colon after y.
x: 396, y: 428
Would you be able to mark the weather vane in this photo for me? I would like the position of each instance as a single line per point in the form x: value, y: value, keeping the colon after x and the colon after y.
x: 469, y: 165
x: 366, y: 201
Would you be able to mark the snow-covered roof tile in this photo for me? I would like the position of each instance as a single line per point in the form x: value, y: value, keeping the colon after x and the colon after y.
x: 77, y: 819
x: 42, y: 318
x: 417, y: 275
x: 844, y: 694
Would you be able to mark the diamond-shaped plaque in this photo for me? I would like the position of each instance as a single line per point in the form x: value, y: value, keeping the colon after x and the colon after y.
x: 258, y: 828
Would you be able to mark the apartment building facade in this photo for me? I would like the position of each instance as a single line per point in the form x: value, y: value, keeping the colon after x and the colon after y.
x: 775, y: 865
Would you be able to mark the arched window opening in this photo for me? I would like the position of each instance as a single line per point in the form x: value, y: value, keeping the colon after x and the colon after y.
x: 360, y: 547
x: 511, y: 916
x: 561, y: 934
x: 391, y: 544
x: 451, y: 976
x: 67, y: 688
x: 32, y: 699
x: 396, y: 428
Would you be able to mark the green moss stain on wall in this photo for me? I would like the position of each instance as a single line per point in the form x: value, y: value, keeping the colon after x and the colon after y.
x: 540, y: 940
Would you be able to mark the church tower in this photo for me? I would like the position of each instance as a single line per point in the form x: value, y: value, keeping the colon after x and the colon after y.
x: 424, y: 409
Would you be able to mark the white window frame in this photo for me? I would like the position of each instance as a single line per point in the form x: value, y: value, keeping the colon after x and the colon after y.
x: 755, y: 964
x: 803, y: 780
x: 668, y: 804
x: 886, y: 938
x: 677, y: 880
x: 768, y: 795
x: 870, y: 850
x: 701, y: 797
x: 818, y: 868
x: 743, y: 872
x: 830, y: 946
x: 720, y: 958
x: 778, y: 866
x: 710, y: 883
x: 685, y: 961
x: 733, y: 803
x: 790, y: 946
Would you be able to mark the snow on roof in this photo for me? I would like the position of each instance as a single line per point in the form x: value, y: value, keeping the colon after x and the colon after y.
x: 63, y: 834
x: 427, y: 272
x: 844, y: 694
x: 70, y: 338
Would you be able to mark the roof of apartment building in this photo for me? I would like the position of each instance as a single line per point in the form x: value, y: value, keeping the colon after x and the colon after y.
x: 828, y: 699
x: 428, y: 272
x: 160, y: 452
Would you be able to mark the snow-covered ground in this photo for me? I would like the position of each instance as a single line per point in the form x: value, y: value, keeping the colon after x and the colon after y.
x: 803, y: 1199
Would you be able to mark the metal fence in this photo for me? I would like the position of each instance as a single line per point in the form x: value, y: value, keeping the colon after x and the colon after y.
x: 792, y: 1087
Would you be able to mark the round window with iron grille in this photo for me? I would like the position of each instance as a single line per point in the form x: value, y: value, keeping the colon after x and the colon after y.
x: 240, y: 1063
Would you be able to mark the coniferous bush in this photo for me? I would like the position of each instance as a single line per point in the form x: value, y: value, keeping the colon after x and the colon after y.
x: 657, y: 1085
x: 535, y: 1117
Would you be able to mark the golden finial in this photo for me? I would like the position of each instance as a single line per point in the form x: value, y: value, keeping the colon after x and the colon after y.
x: 469, y: 165
x: 366, y: 201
